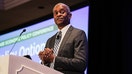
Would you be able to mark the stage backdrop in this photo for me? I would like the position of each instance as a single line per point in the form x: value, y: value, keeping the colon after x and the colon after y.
x: 34, y: 38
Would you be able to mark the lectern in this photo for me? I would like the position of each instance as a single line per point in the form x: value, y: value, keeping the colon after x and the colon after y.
x: 11, y: 64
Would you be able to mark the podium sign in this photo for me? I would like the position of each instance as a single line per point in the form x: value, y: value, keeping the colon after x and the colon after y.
x: 12, y: 64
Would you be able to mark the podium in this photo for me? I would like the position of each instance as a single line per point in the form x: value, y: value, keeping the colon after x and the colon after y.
x: 11, y: 64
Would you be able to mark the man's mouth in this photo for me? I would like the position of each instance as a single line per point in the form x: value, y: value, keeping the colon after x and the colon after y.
x: 59, y: 18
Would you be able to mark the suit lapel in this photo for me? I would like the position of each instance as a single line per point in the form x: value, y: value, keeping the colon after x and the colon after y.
x: 67, y: 35
x: 53, y: 41
x: 50, y: 42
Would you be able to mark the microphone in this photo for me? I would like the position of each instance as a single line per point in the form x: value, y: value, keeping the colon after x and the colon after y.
x: 17, y: 40
x: 57, y: 37
x: 24, y: 30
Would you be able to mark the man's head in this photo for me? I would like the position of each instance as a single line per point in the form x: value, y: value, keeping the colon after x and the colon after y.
x: 62, y: 15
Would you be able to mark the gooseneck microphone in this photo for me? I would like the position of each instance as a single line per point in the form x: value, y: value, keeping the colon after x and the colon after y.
x: 24, y: 30
x: 17, y: 40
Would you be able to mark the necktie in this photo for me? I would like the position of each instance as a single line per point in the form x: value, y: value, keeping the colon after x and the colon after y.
x: 57, y: 40
x: 56, y: 46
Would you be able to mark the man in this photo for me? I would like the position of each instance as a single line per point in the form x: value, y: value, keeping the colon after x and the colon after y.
x: 70, y: 55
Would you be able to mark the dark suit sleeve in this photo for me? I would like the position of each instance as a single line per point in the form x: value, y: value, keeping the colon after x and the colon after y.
x: 49, y: 44
x: 73, y: 56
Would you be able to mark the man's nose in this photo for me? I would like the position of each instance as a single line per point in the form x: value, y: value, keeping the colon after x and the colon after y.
x: 59, y: 14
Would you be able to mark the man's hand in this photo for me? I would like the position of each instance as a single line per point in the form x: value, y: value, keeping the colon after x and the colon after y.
x: 47, y: 55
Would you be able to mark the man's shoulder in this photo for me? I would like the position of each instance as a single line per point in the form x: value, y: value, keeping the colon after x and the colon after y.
x: 77, y: 29
x: 52, y: 37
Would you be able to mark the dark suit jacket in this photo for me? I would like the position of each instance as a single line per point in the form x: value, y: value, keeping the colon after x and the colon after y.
x: 72, y: 54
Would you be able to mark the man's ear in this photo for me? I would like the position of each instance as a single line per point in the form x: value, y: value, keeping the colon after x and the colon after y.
x: 70, y: 15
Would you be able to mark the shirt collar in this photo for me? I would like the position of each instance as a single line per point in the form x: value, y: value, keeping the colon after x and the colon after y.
x: 64, y: 28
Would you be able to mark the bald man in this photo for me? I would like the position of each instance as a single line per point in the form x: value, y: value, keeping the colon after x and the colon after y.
x: 70, y: 55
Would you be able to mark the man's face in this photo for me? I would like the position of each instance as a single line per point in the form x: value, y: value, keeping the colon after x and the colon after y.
x: 61, y: 15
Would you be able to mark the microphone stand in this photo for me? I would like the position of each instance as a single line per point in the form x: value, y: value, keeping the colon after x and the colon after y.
x: 16, y: 41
